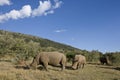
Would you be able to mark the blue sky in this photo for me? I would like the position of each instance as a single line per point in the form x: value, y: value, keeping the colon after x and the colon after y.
x: 84, y: 24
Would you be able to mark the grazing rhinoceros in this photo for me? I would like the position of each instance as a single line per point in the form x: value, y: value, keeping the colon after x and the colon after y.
x: 52, y: 58
x: 104, y: 60
x: 78, y: 62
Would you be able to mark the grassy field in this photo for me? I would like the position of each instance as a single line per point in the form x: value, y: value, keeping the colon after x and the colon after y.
x: 90, y: 72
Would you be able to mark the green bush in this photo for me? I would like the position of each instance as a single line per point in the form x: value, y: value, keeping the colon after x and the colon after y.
x: 70, y: 56
x: 114, y: 58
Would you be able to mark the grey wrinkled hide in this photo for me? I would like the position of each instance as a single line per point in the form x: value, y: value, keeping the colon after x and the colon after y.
x: 52, y: 58
x: 78, y: 62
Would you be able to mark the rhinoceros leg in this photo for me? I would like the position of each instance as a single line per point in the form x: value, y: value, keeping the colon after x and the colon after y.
x: 45, y: 64
x: 83, y: 65
x: 78, y: 65
x: 62, y: 65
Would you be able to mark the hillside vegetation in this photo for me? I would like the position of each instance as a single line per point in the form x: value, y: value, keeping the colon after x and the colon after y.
x: 25, y: 46
x: 17, y: 46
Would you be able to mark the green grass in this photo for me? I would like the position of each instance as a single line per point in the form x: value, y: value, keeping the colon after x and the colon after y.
x: 90, y: 72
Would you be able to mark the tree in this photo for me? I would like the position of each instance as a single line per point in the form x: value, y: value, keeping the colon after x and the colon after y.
x: 94, y: 56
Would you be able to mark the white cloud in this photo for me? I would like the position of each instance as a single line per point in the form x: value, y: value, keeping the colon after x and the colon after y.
x: 44, y: 8
x: 61, y: 30
x: 57, y: 4
x: 5, y: 2
x: 49, y: 12
x: 16, y: 14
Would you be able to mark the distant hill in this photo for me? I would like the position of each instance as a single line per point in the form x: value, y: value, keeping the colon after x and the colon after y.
x: 12, y: 43
x: 41, y: 41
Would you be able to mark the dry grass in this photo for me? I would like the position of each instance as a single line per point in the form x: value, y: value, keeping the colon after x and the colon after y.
x: 90, y: 72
